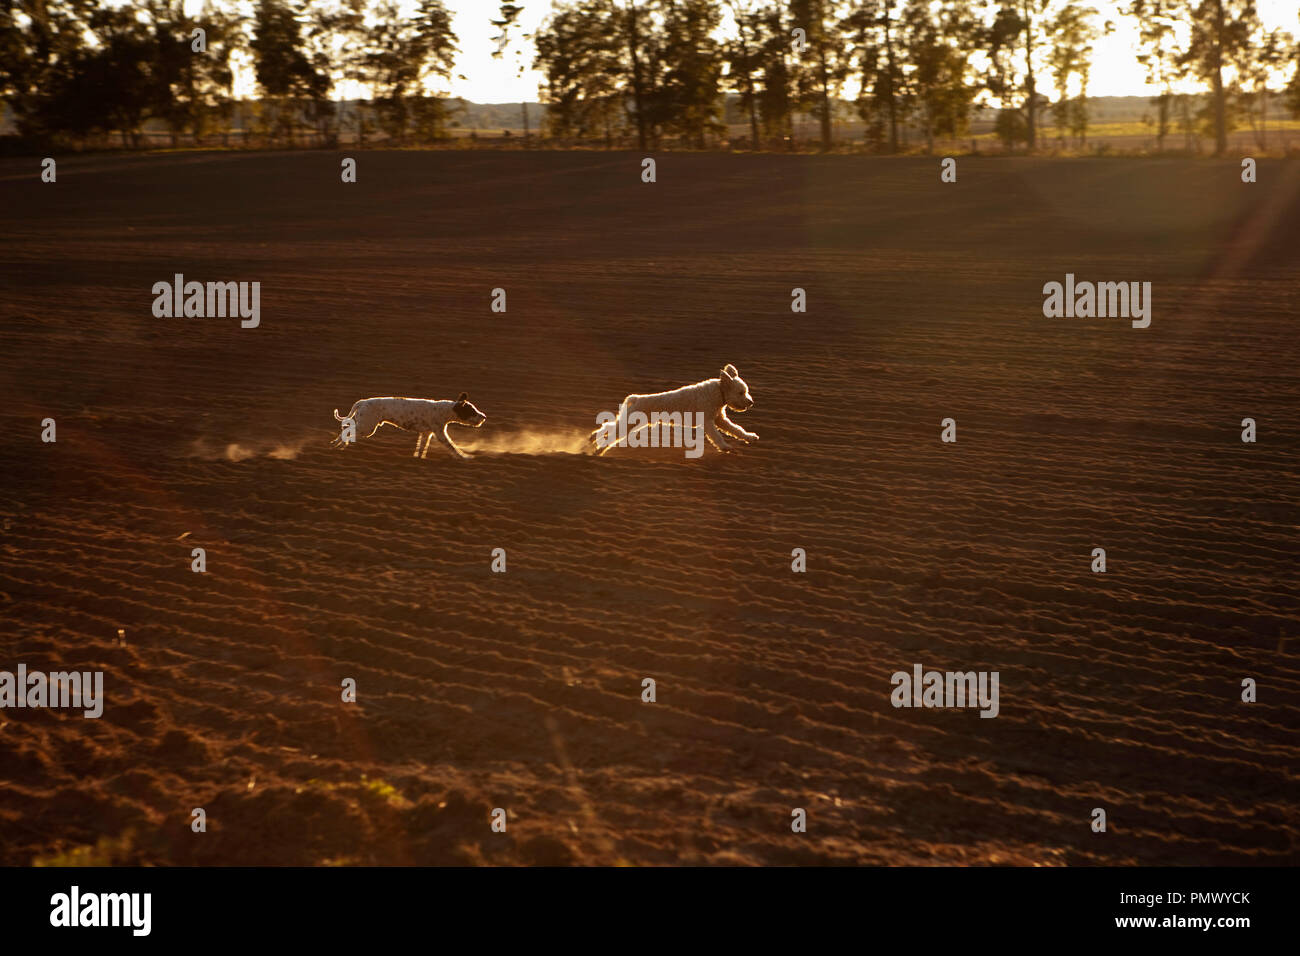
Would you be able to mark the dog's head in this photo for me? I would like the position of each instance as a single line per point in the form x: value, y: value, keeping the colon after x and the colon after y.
x: 466, y: 413
x: 735, y: 393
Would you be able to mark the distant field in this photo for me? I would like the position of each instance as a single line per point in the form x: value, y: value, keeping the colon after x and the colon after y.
x: 1132, y: 136
x: 1281, y: 138
x: 1137, y: 136
x: 523, y: 690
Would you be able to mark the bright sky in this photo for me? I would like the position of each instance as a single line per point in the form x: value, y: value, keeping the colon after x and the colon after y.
x: 481, y: 79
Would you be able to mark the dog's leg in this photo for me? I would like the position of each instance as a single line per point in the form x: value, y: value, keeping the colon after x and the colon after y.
x: 606, y: 436
x: 611, y: 440
x: 731, y: 428
x: 623, y: 440
x: 419, y: 440
x: 610, y: 429
x: 445, y: 439
x: 725, y: 426
x: 622, y: 425
x: 715, y: 436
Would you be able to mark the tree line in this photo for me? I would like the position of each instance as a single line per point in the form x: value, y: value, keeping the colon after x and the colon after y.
x: 70, y: 69
x: 658, y: 66
x: 656, y: 71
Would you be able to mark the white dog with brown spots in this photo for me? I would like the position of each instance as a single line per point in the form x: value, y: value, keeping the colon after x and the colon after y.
x: 704, y: 403
x: 428, y: 418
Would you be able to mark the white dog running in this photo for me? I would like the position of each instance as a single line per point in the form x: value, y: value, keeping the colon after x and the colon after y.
x: 425, y: 416
x: 709, y: 400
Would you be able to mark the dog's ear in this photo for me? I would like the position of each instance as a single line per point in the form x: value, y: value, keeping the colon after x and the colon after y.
x: 463, y: 396
x: 730, y: 370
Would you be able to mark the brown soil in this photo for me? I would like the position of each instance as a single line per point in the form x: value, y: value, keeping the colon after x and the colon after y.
x: 522, y: 690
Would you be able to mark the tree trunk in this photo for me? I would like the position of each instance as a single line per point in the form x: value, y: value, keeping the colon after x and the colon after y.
x: 749, y: 84
x: 1263, y: 117
x: 1220, y: 120
x: 889, y: 62
x: 826, y: 97
x: 787, y: 121
x: 1031, y: 103
x: 1163, y: 129
x: 633, y: 43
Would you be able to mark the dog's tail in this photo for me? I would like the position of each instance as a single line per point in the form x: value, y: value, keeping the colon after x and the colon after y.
x: 338, y: 439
